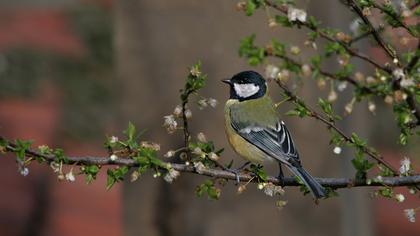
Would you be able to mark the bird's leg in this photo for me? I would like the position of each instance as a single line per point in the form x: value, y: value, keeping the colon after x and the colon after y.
x: 281, y: 176
x: 244, y: 165
x: 237, y: 171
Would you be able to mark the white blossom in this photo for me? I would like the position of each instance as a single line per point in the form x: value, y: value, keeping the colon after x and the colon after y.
x: 306, y: 70
x: 359, y: 76
x: 271, y: 190
x: 202, y: 103
x: 341, y: 86
x: 70, y: 176
x: 371, y: 106
x: 337, y: 150
x: 349, y: 108
x: 405, y: 166
x: 199, y: 167
x: 24, y: 171
x: 201, y: 137
x: 398, y: 73
x: 332, y: 96
x: 151, y: 145
x: 198, y: 151
x: 169, y: 154
x: 388, y: 99
x: 113, y: 139
x: 178, y: 111
x: 195, y: 71
x: 241, y: 188
x: 284, y: 75
x: 55, y: 166
x: 355, y: 26
x: 383, y: 78
x: 407, y: 82
x: 170, y: 123
x: 213, y: 156
x: 171, y: 175
x: 272, y: 23
x: 260, y: 186
x: 134, y: 176
x: 280, y: 204
x: 212, y: 102
x: 295, y: 50
x: 294, y: 14
x: 410, y: 214
x: 271, y: 71
x: 113, y: 157
x: 321, y: 83
x: 370, y: 80
x: 378, y: 179
x: 399, y: 197
x: 188, y: 114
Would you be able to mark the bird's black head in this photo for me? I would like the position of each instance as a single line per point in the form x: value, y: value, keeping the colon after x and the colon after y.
x: 246, y: 85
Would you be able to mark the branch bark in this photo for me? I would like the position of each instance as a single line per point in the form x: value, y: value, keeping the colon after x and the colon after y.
x: 284, y: 9
x: 334, y: 183
x: 331, y: 125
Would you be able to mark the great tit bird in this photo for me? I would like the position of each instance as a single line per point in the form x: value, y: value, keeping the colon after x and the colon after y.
x: 255, y: 132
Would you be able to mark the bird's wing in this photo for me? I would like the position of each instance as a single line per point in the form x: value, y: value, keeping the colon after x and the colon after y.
x: 274, y: 139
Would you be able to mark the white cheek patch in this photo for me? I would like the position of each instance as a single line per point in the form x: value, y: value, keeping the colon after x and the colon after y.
x: 246, y: 90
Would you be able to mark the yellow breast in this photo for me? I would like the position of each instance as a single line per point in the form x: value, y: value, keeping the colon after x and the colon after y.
x: 245, y: 149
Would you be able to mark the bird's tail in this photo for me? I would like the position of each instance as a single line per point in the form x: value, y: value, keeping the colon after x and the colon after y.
x: 316, y: 189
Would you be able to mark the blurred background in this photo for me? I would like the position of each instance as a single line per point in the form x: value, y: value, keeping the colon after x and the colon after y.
x: 72, y: 72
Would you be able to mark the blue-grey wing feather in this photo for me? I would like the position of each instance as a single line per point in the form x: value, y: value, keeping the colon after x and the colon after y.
x: 274, y: 141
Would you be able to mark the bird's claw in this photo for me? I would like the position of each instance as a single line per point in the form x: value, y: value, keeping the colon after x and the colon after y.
x: 237, y: 172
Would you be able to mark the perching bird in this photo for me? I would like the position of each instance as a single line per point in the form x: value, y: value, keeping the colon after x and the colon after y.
x: 255, y: 132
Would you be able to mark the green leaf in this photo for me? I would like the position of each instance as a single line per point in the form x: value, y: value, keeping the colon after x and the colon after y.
x: 299, y: 110
x: 361, y: 165
x: 259, y: 172
x: 279, y: 49
x: 386, y: 192
x: 208, y: 187
x: 250, y: 7
x: 130, y: 132
x: 59, y: 156
x: 90, y: 172
x: 283, y: 20
x: 115, y: 175
x: 21, y: 148
x: 254, y: 54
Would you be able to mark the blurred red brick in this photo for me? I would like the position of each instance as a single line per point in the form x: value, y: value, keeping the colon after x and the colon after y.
x: 38, y: 29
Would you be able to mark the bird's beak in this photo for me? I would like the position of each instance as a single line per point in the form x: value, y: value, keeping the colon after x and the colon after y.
x: 227, y: 81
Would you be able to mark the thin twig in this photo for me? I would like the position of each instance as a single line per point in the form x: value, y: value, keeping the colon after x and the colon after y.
x: 389, y: 51
x: 334, y: 183
x: 411, y: 101
x: 185, y: 123
x: 323, y: 72
x: 414, y: 60
x: 284, y: 9
x: 396, y: 18
x: 363, y: 35
x: 330, y: 125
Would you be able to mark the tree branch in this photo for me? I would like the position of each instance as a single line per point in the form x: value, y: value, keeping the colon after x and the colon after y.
x: 323, y: 72
x: 389, y: 51
x: 330, y: 125
x: 414, y: 60
x: 334, y: 183
x: 396, y: 18
x: 284, y: 9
